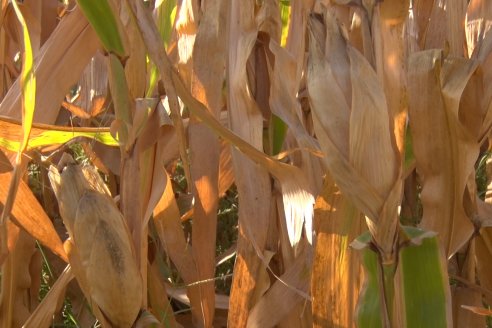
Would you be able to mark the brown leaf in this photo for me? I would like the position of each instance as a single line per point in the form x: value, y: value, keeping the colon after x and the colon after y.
x: 135, y: 65
x: 483, y: 254
x: 143, y: 175
x: 49, y: 18
x: 16, y: 281
x: 477, y: 24
x: 246, y: 285
x: 464, y: 295
x: 168, y: 226
x: 455, y: 18
x: 391, y: 61
x: 287, y: 292
x: 422, y: 10
x: 76, y: 110
x: 206, y: 86
x: 160, y: 306
x: 252, y: 181
x: 351, y: 121
x: 93, y: 86
x: 30, y: 215
x: 284, y: 103
x: 186, y: 30
x: 444, y: 150
x: 60, y: 62
x: 297, y: 195
x: 336, y: 276
x: 42, y: 317
x: 434, y: 36
x: 478, y: 310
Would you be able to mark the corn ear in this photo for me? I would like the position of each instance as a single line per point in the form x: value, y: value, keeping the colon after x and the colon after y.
x: 101, y: 238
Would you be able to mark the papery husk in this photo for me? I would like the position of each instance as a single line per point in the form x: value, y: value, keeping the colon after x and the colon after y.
x: 102, y: 241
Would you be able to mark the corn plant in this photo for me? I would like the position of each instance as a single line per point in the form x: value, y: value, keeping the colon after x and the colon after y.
x: 351, y: 132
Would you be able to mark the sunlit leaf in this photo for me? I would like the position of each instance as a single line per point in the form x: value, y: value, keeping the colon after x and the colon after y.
x: 106, y: 24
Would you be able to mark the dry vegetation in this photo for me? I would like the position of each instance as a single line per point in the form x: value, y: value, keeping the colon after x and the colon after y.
x: 329, y: 148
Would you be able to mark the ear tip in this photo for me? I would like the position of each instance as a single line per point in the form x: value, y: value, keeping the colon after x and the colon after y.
x: 65, y: 160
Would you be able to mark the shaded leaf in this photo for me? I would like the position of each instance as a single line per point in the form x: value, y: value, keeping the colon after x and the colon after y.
x: 444, y: 149
x: 43, y: 315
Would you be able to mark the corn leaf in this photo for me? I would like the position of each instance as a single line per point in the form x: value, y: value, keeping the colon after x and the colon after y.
x: 285, y: 294
x: 102, y: 18
x: 351, y: 118
x: 165, y: 15
x: 425, y: 295
x: 206, y: 85
x: 483, y: 244
x: 60, y: 62
x: 121, y: 96
x: 335, y: 283
x: 478, y: 19
x: 28, y: 81
x: 43, y: 315
x: 369, y: 306
x: 168, y: 225
x: 421, y: 284
x: 28, y: 91
x: 44, y: 135
x: 436, y: 85
x: 28, y: 213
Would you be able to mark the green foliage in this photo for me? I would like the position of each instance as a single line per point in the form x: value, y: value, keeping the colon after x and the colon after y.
x: 102, y: 18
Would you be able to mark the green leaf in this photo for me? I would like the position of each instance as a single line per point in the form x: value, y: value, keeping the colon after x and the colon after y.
x: 59, y: 137
x: 424, y: 281
x: 43, y: 135
x: 28, y: 82
x: 285, y: 17
x: 369, y: 304
x: 409, y: 155
x: 419, y: 286
x: 121, y: 97
x: 278, y: 136
x: 166, y: 14
x: 106, y: 24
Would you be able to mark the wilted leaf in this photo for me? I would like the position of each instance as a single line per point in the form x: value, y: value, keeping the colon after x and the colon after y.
x: 160, y: 306
x: 285, y: 294
x: 43, y: 315
x: 206, y: 86
x: 60, y: 61
x: 478, y: 23
x: 28, y: 214
x: 483, y: 244
x: 336, y: 275
x: 16, y: 280
x: 351, y: 121
x: 478, y: 310
x: 445, y: 151
x: 168, y: 226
